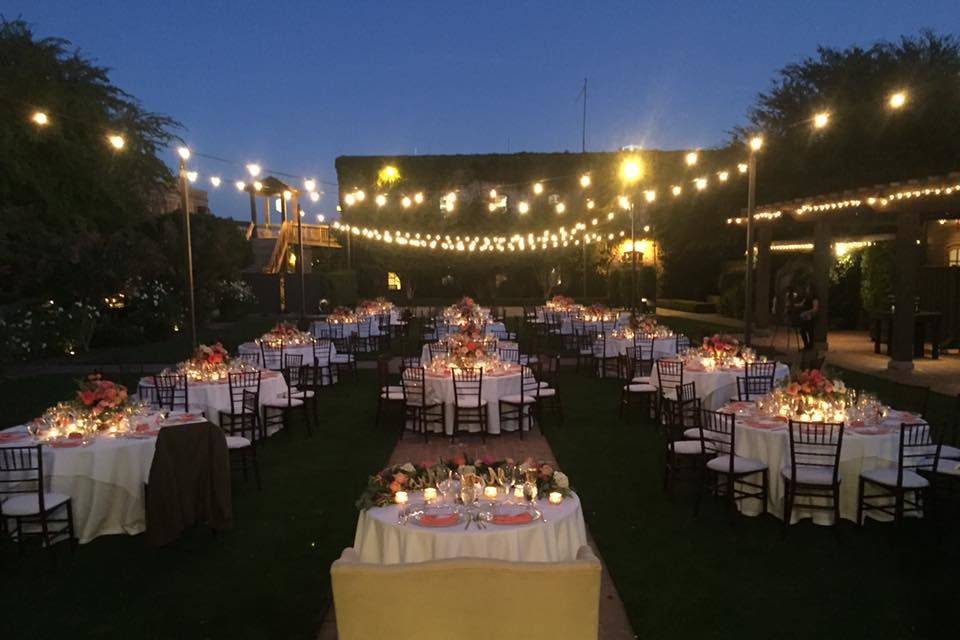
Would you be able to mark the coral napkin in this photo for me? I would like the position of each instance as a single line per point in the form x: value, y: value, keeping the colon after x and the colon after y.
x: 519, y: 518
x: 430, y: 520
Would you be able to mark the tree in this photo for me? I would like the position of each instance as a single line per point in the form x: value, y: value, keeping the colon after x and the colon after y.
x: 70, y: 204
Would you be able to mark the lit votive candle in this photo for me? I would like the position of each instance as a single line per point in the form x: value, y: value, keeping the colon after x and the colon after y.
x: 430, y: 494
x: 400, y: 497
x: 518, y: 491
x: 490, y: 493
x: 555, y: 497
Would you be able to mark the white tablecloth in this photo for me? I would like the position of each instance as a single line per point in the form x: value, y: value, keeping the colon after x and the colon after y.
x: 104, y: 480
x: 859, y: 452
x: 501, y: 344
x: 662, y: 347
x: 305, y: 350
x: 716, y: 388
x: 556, y: 538
x: 214, y: 397
x: 440, y: 389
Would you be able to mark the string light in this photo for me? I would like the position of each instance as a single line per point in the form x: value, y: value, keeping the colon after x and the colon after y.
x: 184, y: 153
x: 585, y: 180
x: 897, y: 100
x: 723, y: 175
x: 821, y: 120
x: 756, y: 143
x: 314, y: 196
x: 623, y: 201
x: 691, y: 158
x: 523, y: 207
x: 253, y: 169
x: 310, y: 184
x: 538, y: 188
x: 405, y: 202
x: 381, y: 200
x: 360, y: 195
x: 116, y: 141
x: 257, y: 185
x: 561, y: 207
x: 215, y: 181
x: 239, y: 184
x: 676, y: 190
x: 40, y: 118
x: 192, y: 176
x: 590, y: 204
x: 418, y: 197
x: 631, y: 170
x: 743, y: 167
x: 493, y: 194
x: 700, y: 184
x: 349, y: 199
x: 650, y: 195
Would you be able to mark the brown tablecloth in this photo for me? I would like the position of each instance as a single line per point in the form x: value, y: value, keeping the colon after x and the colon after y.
x: 189, y: 482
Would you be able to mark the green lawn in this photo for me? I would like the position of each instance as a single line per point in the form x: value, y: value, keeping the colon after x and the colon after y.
x: 705, y: 577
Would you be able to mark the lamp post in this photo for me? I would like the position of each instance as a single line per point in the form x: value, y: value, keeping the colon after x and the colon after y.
x: 254, y: 171
x: 630, y: 172
x: 303, y: 288
x: 184, y: 154
x: 756, y: 143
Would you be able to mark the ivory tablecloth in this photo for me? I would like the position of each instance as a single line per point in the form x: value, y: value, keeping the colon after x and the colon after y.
x: 440, y: 389
x: 380, y: 539
x: 662, y: 347
x: 716, y: 388
x: 214, y: 397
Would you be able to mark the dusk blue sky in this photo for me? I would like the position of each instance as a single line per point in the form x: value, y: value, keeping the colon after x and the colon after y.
x: 295, y: 84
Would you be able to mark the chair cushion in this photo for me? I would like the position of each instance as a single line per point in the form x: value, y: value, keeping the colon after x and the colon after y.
x: 687, y: 447
x: 28, y: 504
x: 516, y: 398
x: 640, y: 388
x: 392, y: 395
x: 669, y: 394
x: 693, y: 433
x: 297, y: 394
x: 342, y: 358
x: 391, y: 388
x: 888, y: 478
x: 953, y: 453
x: 641, y: 380
x: 949, y: 467
x: 740, y: 465
x: 547, y: 392
x: 586, y: 352
x: 237, y: 442
x: 468, y: 403
x: 811, y: 475
x: 282, y: 403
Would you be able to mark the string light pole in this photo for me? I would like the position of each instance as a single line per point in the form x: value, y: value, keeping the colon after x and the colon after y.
x: 254, y: 170
x: 303, y: 287
x: 755, y: 144
x: 184, y: 154
x: 630, y: 172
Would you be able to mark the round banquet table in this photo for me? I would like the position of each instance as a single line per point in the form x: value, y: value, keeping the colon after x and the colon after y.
x: 104, y: 480
x: 501, y: 344
x: 662, y: 347
x: 716, y: 388
x: 555, y: 538
x: 214, y: 397
x: 439, y: 388
x: 862, y: 449
x: 304, y: 350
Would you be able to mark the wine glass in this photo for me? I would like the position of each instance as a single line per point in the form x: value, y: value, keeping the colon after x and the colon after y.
x: 445, y: 484
x: 506, y: 477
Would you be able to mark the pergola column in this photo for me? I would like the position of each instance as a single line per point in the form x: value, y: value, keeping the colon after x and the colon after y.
x: 266, y: 211
x: 822, y: 262
x: 761, y: 293
x: 904, y: 290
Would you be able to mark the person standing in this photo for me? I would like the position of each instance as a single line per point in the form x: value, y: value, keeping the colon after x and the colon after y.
x: 810, y: 306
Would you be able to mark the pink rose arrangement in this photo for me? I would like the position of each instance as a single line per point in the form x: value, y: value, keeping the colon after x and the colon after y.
x: 100, y: 396
x: 560, y: 302
x: 341, y: 315
x: 720, y: 347
x: 467, y: 343
x: 812, y: 383
x: 210, y: 355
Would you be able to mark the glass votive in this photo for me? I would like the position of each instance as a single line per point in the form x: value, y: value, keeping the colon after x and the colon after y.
x: 400, y: 497
x: 430, y: 494
x: 490, y: 493
x: 555, y: 497
x: 518, y: 491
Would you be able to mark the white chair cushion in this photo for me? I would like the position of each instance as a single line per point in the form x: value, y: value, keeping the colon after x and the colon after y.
x: 586, y: 352
x: 641, y: 380
x: 547, y: 392
x: 342, y: 358
x: 516, y: 398
x: 297, y: 394
x: 543, y: 385
x: 949, y: 467
x: 237, y: 442
x: 640, y: 388
x: 669, y: 394
x: 470, y: 403
x: 282, y: 403
x: 888, y: 478
x: 953, y: 453
x: 28, y: 504
x: 740, y: 465
x: 693, y: 433
x: 811, y: 475
x: 392, y: 395
x: 688, y: 447
x: 391, y: 388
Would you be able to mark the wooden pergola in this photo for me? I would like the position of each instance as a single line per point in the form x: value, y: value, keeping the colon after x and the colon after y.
x: 902, y: 209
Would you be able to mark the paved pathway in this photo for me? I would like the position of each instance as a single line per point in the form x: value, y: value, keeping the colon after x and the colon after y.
x: 614, y: 624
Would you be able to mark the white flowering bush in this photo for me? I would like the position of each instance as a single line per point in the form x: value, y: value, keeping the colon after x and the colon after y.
x: 47, y: 329
x: 146, y: 310
x: 233, y: 298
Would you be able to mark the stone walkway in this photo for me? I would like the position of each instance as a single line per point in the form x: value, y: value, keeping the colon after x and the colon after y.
x: 614, y: 624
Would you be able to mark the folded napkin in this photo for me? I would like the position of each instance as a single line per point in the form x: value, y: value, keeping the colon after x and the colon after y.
x: 517, y: 518
x: 430, y: 520
x: 183, y: 418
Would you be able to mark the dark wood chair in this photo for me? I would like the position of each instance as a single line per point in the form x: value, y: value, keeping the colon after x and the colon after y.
x: 635, y: 393
x: 546, y: 366
x: 521, y: 406
x: 918, y: 456
x: 607, y: 362
x: 322, y: 348
x: 814, y: 469
x: 469, y: 407
x: 252, y: 359
x: 297, y: 397
x: 346, y: 354
x: 237, y: 383
x: 684, y: 457
x: 35, y: 512
x: 271, y: 357
x: 725, y: 472
x: 388, y: 395
x: 420, y: 413
x: 173, y: 393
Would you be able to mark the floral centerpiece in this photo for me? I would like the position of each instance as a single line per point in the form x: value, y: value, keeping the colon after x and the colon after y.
x: 375, y: 307
x: 810, y: 396
x: 99, y: 405
x: 560, y: 303
x: 465, y: 311
x: 469, y: 348
x: 382, y: 487
x: 210, y: 363
x: 598, y: 313
x: 341, y: 315
x: 285, y: 334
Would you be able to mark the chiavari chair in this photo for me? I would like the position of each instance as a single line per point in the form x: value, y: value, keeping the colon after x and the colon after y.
x: 683, y: 456
x: 172, y: 392
x: 420, y: 413
x: 276, y: 411
x: 469, y: 407
x: 669, y: 377
x: 509, y: 355
x: 814, y: 469
x: 272, y: 357
x: 250, y: 358
x: 242, y: 433
x: 521, y: 406
x: 725, y: 471
x: 237, y: 383
x: 607, y: 360
x: 24, y: 499
x: 387, y: 394
x: 322, y: 348
x: 346, y: 356
x: 547, y: 369
x: 917, y: 458
x: 633, y: 393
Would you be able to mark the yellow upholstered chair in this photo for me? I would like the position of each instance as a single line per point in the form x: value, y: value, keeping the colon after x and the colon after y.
x: 443, y: 599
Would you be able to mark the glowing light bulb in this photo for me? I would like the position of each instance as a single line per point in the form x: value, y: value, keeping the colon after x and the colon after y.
x: 650, y: 195
x: 40, y: 118
x: 623, y: 201
x: 585, y: 180
x: 561, y: 207
x: 314, y: 196
x: 821, y: 120
x: 590, y: 204
x: 240, y: 185
x: 700, y: 184
x: 320, y: 217
x: 493, y: 194
x: 184, y: 153
x: 676, y: 190
x: 723, y: 175
x: 380, y: 199
x: 897, y: 100
x: 310, y: 184
x: 192, y: 176
x: 360, y: 195
x: 116, y: 141
x: 287, y: 195
x: 691, y: 158
x: 418, y: 197
x: 406, y: 202
x: 349, y: 199
x: 742, y: 167
x: 215, y: 181
x: 756, y: 143
x: 631, y: 170
x: 523, y: 207
x: 253, y: 169
x: 538, y: 188
x: 257, y: 185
